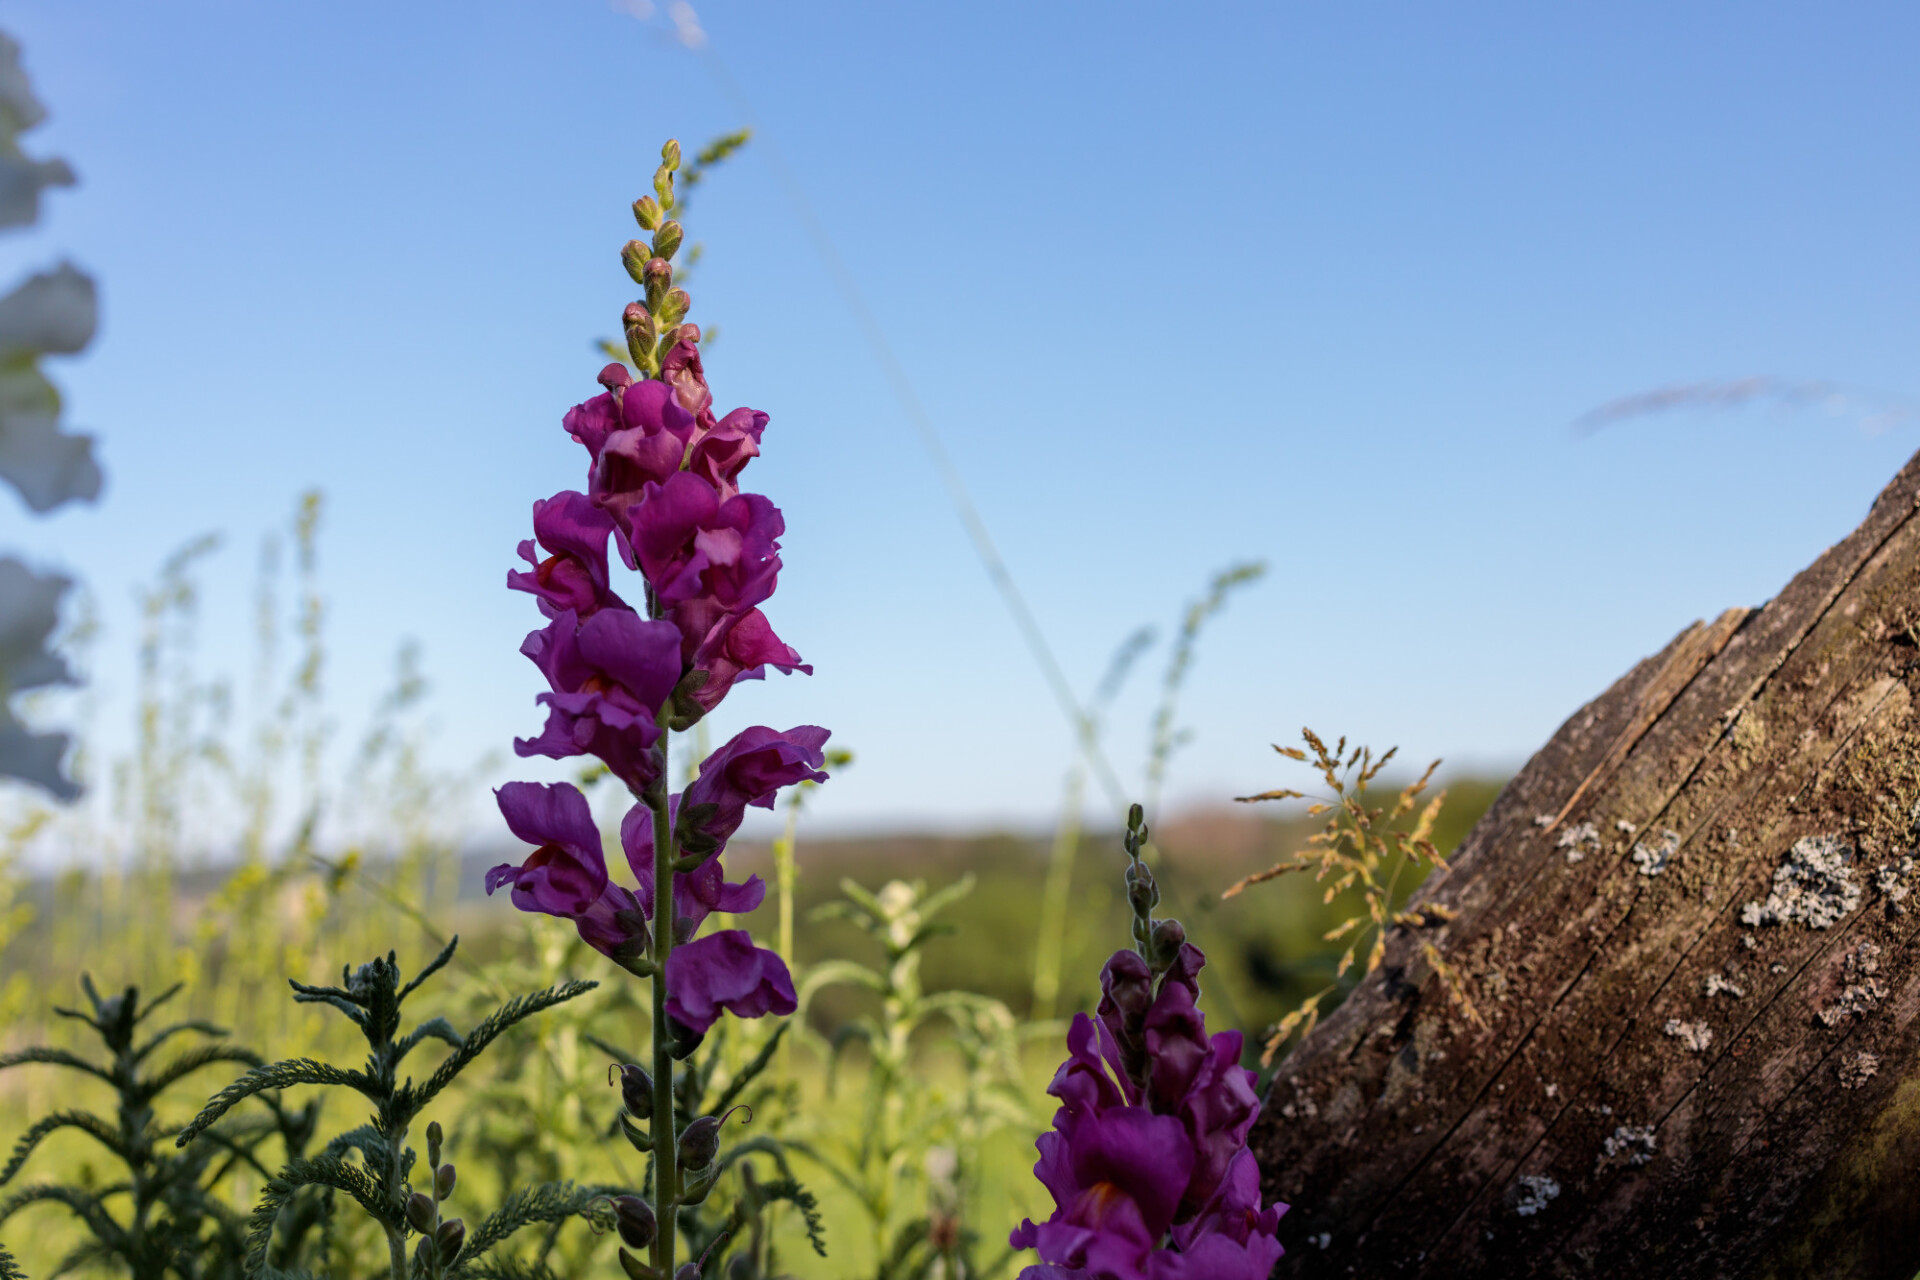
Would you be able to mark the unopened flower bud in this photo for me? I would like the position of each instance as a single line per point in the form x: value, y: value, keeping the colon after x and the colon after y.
x: 658, y: 279
x: 742, y: 1268
x: 663, y: 186
x: 420, y: 1212
x: 666, y: 241
x: 634, y: 256
x: 443, y: 1180
x: 700, y: 1141
x: 423, y: 1253
x: 435, y: 1136
x: 674, y: 307
x: 1143, y: 895
x: 670, y: 153
x: 646, y: 212
x: 633, y: 1218
x: 1168, y: 937
x: 639, y: 326
x: 448, y: 1239
x: 636, y: 1090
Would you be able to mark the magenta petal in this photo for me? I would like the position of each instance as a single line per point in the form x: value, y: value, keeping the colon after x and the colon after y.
x: 725, y: 971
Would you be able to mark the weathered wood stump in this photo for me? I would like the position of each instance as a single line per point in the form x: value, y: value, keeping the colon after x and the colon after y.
x: 1687, y: 924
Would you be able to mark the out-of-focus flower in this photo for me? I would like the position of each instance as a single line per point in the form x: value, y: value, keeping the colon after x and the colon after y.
x: 21, y: 179
x: 29, y: 612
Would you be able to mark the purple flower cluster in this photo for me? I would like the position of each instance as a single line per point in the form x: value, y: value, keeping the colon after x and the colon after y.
x: 1147, y: 1159
x: 663, y: 485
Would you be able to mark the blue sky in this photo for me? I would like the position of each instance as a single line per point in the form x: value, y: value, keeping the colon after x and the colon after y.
x: 1179, y: 285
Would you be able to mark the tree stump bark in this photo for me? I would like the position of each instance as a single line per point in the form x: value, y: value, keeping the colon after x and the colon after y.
x: 1688, y: 925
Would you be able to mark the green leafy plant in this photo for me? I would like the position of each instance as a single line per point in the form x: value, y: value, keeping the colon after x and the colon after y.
x: 167, y: 1214
x: 912, y: 1128
x: 371, y: 996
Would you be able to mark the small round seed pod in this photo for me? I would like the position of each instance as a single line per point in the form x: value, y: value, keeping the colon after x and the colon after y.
x: 700, y: 1141
x: 633, y: 1218
x: 636, y: 1090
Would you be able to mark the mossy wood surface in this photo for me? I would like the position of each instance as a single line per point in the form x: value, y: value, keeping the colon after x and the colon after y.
x: 1695, y: 1062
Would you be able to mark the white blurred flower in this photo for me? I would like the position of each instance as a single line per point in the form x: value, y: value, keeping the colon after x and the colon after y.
x: 21, y: 179
x: 29, y: 612
x: 50, y: 313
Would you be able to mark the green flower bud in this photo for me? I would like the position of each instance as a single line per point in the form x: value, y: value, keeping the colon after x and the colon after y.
x: 434, y: 1138
x: 634, y: 256
x: 443, y: 1180
x: 658, y: 279
x: 666, y: 241
x: 674, y: 307
x: 663, y: 186
x: 670, y: 154
x: 633, y: 1218
x: 639, y: 325
x: 420, y: 1212
x: 646, y: 212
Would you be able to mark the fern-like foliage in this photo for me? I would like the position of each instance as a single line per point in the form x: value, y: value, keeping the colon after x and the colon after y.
x: 9, y: 1269
x: 372, y: 1164
x: 168, y: 1214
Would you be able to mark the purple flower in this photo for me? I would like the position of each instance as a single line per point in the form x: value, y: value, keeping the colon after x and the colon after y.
x: 645, y: 450
x: 690, y: 542
x: 610, y: 675
x: 1117, y: 1176
x: 725, y: 447
x: 725, y: 971
x: 741, y: 646
x: 1148, y: 1054
x: 574, y: 575
x: 683, y: 371
x: 567, y: 870
x: 697, y: 893
x: 566, y: 875
x: 753, y: 765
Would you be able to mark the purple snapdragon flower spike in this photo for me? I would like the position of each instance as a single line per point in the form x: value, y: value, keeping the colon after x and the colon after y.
x: 1147, y: 1054
x: 574, y: 575
x: 609, y: 675
x: 726, y: 971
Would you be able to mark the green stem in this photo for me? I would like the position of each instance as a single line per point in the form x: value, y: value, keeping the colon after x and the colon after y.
x: 1051, y: 942
x: 666, y: 1170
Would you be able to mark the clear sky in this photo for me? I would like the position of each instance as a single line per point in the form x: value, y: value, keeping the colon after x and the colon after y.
x: 1178, y: 284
